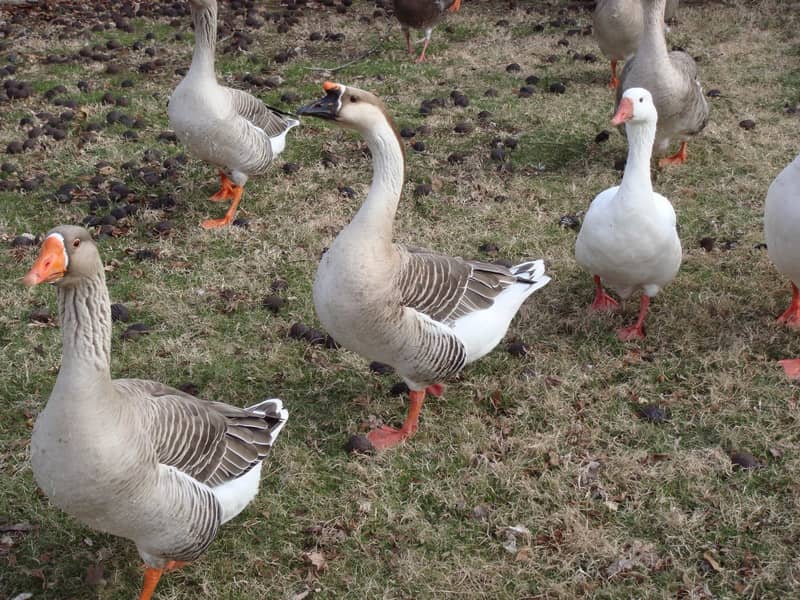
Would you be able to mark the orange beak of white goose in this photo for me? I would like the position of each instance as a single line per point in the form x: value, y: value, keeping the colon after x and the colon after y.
x: 51, y: 265
x: 624, y: 112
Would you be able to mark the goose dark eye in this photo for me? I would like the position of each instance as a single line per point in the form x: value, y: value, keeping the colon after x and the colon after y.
x: 76, y: 243
x: 641, y: 99
x: 353, y: 99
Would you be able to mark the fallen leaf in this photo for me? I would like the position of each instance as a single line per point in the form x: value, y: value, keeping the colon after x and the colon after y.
x: 316, y: 559
x: 712, y: 562
x: 618, y: 566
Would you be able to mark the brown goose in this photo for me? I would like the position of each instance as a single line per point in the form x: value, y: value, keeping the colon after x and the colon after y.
x: 422, y: 14
x: 130, y: 457
x: 424, y: 313
x: 224, y: 126
x: 671, y: 78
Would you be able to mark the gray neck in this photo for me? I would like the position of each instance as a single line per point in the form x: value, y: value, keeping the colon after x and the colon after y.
x: 205, y: 41
x: 636, y: 181
x: 85, y: 312
x: 653, y: 43
x: 375, y: 218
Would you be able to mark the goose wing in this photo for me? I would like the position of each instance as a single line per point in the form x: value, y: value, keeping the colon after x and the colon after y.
x: 274, y: 122
x: 210, y: 441
x: 446, y: 288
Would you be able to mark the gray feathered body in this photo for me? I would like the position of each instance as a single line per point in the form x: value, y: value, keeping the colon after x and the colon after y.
x: 617, y: 27
x: 671, y: 78
x: 136, y: 458
x: 226, y: 127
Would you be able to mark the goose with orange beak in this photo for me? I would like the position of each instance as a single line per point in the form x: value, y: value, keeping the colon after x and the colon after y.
x: 130, y: 457
x: 629, y: 238
x: 426, y: 314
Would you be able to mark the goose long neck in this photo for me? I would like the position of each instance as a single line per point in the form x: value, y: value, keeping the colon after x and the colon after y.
x: 375, y: 218
x: 205, y: 40
x: 85, y: 312
x: 653, y: 42
x: 636, y: 181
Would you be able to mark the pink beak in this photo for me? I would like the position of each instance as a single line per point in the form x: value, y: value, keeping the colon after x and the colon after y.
x: 624, y: 112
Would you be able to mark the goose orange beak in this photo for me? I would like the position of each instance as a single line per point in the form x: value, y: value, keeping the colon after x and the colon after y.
x: 624, y: 112
x: 51, y: 265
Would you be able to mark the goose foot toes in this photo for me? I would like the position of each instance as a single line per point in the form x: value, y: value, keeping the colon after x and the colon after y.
x: 215, y: 223
x: 603, y: 303
x: 387, y: 437
x: 628, y: 334
x: 435, y: 390
x: 791, y: 366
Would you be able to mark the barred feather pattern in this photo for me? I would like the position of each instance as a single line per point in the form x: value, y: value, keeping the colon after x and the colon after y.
x: 446, y: 288
x: 210, y: 441
x: 85, y: 316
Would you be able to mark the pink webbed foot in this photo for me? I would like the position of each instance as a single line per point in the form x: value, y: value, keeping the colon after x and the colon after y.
x: 791, y: 366
x: 602, y: 301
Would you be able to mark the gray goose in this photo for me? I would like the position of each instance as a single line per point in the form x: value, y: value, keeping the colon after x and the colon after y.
x: 224, y: 126
x: 422, y: 14
x: 135, y: 458
x: 671, y: 78
x: 617, y: 26
x: 425, y: 314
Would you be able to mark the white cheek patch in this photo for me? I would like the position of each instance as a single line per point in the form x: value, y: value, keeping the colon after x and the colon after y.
x: 339, y: 101
x: 63, y: 247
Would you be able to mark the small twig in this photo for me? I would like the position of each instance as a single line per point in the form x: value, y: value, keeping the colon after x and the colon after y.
x: 359, y: 58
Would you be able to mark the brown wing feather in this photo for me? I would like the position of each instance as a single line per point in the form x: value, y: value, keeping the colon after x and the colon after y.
x: 446, y: 288
x: 210, y: 441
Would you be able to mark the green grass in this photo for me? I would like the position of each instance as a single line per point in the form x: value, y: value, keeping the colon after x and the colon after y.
x: 551, y: 441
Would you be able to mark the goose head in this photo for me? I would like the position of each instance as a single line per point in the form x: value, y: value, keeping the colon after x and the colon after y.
x: 348, y: 107
x: 635, y: 106
x: 68, y: 255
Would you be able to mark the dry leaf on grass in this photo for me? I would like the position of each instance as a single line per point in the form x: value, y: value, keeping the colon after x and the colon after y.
x: 94, y: 575
x: 316, y: 559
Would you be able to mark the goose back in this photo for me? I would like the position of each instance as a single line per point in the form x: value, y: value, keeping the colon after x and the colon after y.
x: 420, y: 14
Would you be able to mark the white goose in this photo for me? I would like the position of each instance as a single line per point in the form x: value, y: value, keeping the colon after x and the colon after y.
x: 782, y: 233
x: 628, y: 238
x: 224, y: 126
x: 130, y: 457
x: 671, y: 78
x: 426, y: 314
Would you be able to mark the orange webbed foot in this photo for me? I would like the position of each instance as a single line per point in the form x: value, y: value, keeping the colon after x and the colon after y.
x: 676, y: 159
x: 602, y: 301
x: 387, y: 437
x: 227, y: 189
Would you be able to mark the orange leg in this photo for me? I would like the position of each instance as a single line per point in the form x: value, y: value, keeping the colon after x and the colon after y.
x: 388, y: 437
x: 636, y: 331
x: 791, y: 315
x: 602, y: 301
x: 455, y: 6
x: 791, y: 366
x: 614, y: 83
x: 676, y: 159
x: 152, y: 577
x: 226, y: 187
x: 226, y: 220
